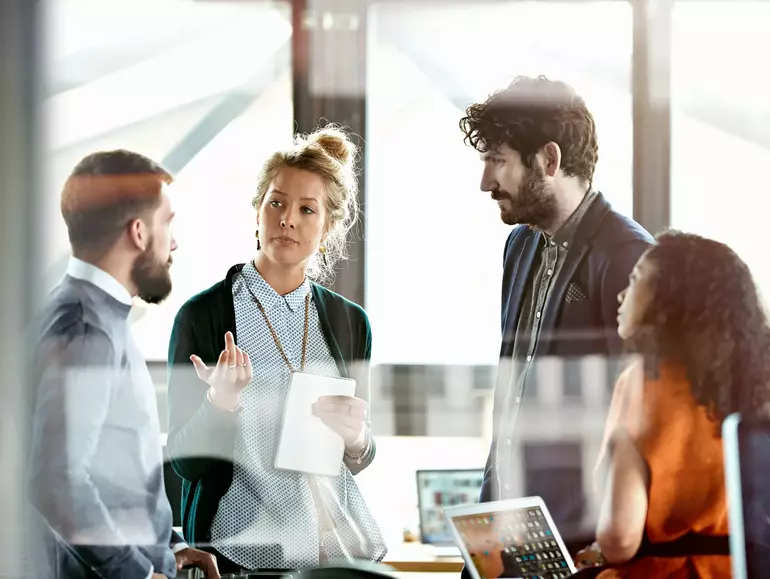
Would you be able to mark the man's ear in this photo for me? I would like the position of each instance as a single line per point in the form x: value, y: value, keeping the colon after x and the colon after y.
x: 138, y: 234
x: 551, y: 158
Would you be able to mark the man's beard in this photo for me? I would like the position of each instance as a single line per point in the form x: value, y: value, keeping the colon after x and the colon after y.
x: 534, y: 204
x: 152, y: 278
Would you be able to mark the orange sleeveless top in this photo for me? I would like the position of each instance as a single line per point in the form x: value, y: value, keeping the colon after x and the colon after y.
x: 683, y: 450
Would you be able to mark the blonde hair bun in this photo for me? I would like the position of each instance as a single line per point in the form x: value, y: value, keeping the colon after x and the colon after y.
x: 335, y: 143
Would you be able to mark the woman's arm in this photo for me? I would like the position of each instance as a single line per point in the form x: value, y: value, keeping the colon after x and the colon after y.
x: 201, y: 436
x: 360, y: 371
x: 623, y: 511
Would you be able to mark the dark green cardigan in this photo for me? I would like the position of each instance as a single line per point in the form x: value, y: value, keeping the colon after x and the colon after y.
x: 201, y: 436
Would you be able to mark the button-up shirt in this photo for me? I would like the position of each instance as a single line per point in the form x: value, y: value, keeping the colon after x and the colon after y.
x: 272, y: 519
x: 546, y: 269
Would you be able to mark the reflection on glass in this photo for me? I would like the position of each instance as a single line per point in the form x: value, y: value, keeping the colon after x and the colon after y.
x: 434, y: 241
x: 203, y: 87
x: 721, y: 125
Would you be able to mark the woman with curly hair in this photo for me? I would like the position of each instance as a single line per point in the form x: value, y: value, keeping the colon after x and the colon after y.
x: 692, y: 311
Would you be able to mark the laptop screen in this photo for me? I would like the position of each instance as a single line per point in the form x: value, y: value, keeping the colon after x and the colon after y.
x: 438, y: 489
x: 512, y: 543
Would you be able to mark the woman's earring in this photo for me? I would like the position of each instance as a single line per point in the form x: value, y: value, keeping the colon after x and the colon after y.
x: 322, y: 251
x: 259, y: 245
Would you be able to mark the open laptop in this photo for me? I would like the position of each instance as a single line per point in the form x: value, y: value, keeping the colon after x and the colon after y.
x: 437, y: 490
x: 510, y: 539
x: 747, y: 464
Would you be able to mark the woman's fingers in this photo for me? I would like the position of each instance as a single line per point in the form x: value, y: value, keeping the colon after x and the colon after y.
x: 223, y: 361
x: 347, y: 428
x: 341, y: 408
x: 200, y: 368
x: 230, y: 347
x: 244, y: 376
x: 354, y: 423
x: 247, y: 366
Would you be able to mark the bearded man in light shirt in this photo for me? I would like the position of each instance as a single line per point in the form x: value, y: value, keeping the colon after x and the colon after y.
x: 95, y: 460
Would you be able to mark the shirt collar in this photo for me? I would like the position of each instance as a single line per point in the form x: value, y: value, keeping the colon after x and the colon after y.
x: 566, y: 232
x: 85, y: 271
x: 267, y: 296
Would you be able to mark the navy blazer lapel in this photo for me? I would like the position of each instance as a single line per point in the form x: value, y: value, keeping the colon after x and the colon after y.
x: 580, y: 245
x: 518, y: 276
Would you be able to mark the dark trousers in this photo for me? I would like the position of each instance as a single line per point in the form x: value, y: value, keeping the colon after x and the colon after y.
x: 227, y: 566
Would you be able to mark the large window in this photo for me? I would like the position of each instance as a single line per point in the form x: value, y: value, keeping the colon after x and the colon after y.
x: 721, y: 125
x: 434, y: 241
x: 203, y: 87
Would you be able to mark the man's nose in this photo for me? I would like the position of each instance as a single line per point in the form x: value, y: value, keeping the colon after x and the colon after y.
x: 487, y: 182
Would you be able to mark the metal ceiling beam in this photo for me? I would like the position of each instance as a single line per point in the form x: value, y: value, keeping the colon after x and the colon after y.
x: 232, y: 105
x: 90, y: 64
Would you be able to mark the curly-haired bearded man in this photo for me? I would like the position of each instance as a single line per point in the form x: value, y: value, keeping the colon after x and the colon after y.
x: 565, y: 261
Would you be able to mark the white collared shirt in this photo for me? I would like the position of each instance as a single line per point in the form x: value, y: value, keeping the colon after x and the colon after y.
x: 85, y: 271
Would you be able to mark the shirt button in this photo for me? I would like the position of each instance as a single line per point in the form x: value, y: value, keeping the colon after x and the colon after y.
x: 549, y: 272
x: 507, y: 487
x: 518, y: 400
x: 508, y: 442
x: 564, y: 244
x: 537, y: 315
x: 553, y: 243
x: 529, y: 358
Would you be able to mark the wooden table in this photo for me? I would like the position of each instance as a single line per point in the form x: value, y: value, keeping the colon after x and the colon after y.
x: 425, y: 575
x: 418, y: 558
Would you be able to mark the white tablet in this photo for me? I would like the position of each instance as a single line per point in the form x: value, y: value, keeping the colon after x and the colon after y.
x: 509, y: 539
x: 306, y: 444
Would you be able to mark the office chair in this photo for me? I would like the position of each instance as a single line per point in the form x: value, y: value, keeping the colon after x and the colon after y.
x: 358, y: 570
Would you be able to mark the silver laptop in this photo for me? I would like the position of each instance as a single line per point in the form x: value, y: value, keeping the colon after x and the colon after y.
x: 510, y: 539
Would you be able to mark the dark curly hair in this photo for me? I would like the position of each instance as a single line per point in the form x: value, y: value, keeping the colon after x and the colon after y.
x: 707, y: 315
x: 528, y: 114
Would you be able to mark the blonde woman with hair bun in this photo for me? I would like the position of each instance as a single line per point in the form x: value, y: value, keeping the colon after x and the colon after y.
x: 244, y: 337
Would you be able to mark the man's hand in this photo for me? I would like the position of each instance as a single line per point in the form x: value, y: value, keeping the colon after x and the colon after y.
x: 591, y: 556
x: 158, y: 576
x: 205, y: 561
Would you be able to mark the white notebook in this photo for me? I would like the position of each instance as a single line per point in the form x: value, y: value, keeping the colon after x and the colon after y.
x: 306, y: 444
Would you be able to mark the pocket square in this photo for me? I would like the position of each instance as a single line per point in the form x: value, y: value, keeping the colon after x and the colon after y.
x: 575, y: 293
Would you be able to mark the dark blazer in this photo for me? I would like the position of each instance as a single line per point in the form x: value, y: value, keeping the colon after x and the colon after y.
x: 604, y: 250
x: 201, y: 436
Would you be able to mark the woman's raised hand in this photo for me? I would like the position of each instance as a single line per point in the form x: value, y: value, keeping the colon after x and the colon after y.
x: 229, y: 377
